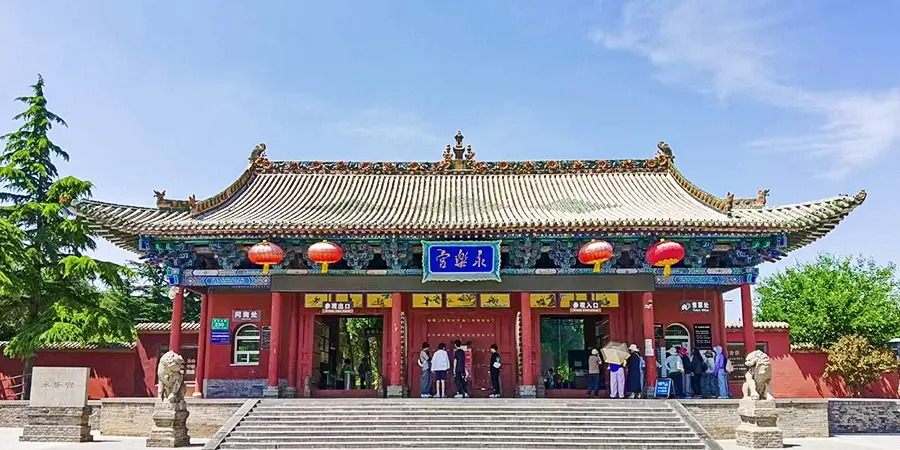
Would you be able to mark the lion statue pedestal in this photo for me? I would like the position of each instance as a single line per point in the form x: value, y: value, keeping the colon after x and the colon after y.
x: 170, y: 416
x: 759, y: 416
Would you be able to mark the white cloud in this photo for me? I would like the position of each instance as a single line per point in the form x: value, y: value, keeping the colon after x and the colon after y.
x: 731, y: 48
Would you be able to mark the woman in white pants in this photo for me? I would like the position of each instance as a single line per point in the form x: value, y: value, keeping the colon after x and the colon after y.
x: 616, y: 381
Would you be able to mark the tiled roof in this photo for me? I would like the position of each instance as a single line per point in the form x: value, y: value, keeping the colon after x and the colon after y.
x: 165, y: 327
x: 80, y: 346
x: 763, y: 326
x: 292, y: 199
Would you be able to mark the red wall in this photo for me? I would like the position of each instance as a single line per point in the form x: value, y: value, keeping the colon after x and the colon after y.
x: 148, y: 346
x: 800, y: 375
x: 221, y: 305
x: 112, y: 372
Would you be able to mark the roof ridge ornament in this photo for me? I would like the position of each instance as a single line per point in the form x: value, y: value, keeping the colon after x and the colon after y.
x: 459, y: 156
x: 761, y: 196
x: 258, y: 152
x: 665, y: 152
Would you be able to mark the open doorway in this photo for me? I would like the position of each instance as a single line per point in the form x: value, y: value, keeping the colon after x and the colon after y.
x: 347, y: 355
x: 565, y: 347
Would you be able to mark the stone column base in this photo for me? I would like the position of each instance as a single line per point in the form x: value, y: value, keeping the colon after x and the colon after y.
x: 57, y: 424
x: 526, y: 392
x: 759, y: 425
x: 271, y: 392
x: 170, y: 426
x: 290, y: 392
x: 396, y: 391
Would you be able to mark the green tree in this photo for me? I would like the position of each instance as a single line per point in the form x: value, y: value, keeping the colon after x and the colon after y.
x: 833, y: 297
x: 145, y: 296
x: 54, y: 297
x: 858, y: 363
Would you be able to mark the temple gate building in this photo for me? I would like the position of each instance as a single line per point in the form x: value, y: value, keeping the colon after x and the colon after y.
x: 483, y: 252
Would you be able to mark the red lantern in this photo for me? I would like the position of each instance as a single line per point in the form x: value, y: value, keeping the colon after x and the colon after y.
x: 596, y: 253
x: 325, y: 253
x: 664, y: 254
x: 265, y: 253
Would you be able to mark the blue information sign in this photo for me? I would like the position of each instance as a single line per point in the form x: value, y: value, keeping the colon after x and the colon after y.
x: 461, y: 261
x: 220, y: 337
x: 663, y: 387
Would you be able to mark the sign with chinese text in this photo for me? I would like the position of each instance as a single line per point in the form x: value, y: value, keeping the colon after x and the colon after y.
x: 663, y: 388
x: 703, y: 336
x: 695, y: 306
x: 265, y: 340
x: 585, y: 306
x: 220, y: 331
x: 244, y: 315
x: 736, y: 355
x: 461, y: 261
x: 337, y: 308
x: 60, y: 386
x: 220, y: 324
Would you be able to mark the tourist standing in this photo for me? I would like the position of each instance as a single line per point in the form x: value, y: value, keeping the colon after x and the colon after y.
x: 616, y: 380
x: 720, y: 373
x: 710, y: 388
x: 593, y: 373
x: 459, y: 371
x: 688, y: 374
x: 440, y: 364
x: 425, y: 365
x: 495, y: 370
x: 675, y: 371
x: 698, y: 366
x: 635, y: 372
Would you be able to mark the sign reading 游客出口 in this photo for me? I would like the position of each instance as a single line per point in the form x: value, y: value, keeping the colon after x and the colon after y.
x: 461, y: 261
x: 695, y: 306
x: 337, y: 308
x: 245, y: 315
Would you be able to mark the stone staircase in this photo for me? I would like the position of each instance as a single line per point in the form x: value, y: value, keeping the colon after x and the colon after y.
x: 461, y: 424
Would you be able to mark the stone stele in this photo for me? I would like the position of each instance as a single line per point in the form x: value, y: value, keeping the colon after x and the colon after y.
x: 58, y: 410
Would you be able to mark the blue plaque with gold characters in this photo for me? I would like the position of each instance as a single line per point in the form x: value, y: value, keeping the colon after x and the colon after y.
x: 460, y: 261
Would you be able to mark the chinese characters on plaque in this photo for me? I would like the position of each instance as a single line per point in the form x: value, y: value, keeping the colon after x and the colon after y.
x: 337, y: 308
x: 245, y: 315
x: 461, y: 261
x: 593, y: 306
x: 695, y: 306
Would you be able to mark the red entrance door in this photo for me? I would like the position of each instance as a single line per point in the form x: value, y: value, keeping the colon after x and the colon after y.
x: 482, y: 328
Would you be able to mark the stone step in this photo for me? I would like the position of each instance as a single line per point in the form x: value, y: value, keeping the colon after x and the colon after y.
x: 461, y: 430
x: 504, y: 443
x: 482, y: 446
x: 507, y: 425
x: 461, y: 404
x: 352, y: 418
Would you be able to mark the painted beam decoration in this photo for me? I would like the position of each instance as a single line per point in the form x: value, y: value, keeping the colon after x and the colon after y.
x: 460, y: 261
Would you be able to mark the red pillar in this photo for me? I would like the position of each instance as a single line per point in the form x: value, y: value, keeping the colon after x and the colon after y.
x: 275, y: 343
x: 177, y: 313
x: 747, y: 310
x: 293, y: 344
x: 649, y: 339
x: 201, y: 345
x: 527, y: 348
x: 396, y: 308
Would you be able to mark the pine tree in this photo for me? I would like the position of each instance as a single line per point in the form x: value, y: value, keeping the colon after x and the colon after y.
x: 53, y: 295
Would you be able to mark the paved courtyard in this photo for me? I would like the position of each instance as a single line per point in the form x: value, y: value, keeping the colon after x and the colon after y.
x: 9, y: 440
x: 845, y: 442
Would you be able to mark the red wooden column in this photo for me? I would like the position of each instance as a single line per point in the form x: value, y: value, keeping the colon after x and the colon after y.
x: 201, y: 345
x: 177, y: 313
x: 293, y: 347
x: 528, y: 387
x: 747, y: 310
x: 274, y: 346
x: 649, y: 339
x: 394, y: 387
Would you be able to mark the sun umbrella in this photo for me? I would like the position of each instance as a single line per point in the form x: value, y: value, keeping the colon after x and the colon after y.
x: 615, y: 353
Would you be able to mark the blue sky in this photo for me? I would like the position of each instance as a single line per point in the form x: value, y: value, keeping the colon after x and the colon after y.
x: 799, y: 97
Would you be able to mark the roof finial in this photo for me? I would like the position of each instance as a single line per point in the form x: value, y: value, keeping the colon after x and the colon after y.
x: 258, y: 152
x: 761, y: 195
x: 665, y: 151
x: 459, y: 138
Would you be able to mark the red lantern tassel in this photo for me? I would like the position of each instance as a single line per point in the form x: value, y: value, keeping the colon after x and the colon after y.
x: 265, y: 268
x: 325, y: 267
x: 667, y: 270
x: 597, y: 266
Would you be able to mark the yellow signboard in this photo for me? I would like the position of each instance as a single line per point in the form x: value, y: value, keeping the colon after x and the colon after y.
x: 499, y: 300
x: 316, y: 300
x: 382, y: 300
x: 461, y: 300
x: 542, y: 300
x: 427, y: 300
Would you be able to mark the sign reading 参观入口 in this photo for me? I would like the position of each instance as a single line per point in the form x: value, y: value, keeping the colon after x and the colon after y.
x: 461, y: 260
x: 592, y: 306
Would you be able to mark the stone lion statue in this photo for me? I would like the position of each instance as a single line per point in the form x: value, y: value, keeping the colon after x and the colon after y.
x: 170, y: 373
x: 758, y: 379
